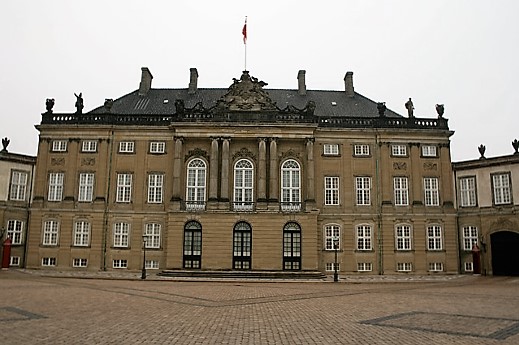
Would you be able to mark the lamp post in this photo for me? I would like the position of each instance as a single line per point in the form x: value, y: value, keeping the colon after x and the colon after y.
x: 335, y: 247
x: 144, y: 240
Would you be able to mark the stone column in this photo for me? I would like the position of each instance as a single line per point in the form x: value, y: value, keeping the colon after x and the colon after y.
x: 274, y: 171
x: 213, y: 168
x: 416, y: 180
x: 224, y: 191
x: 177, y: 168
x: 310, y: 170
x: 446, y: 172
x: 262, y: 169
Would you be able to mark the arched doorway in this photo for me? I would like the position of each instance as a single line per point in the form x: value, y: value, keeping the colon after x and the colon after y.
x: 505, y: 253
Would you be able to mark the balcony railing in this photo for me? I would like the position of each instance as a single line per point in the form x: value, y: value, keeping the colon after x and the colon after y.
x: 194, y: 206
x: 290, y: 206
x: 243, y: 206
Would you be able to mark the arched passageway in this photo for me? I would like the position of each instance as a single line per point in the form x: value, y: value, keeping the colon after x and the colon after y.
x: 505, y: 253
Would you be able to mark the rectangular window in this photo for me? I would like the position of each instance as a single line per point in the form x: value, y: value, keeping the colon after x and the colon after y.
x: 403, y: 237
x: 15, y: 231
x: 435, y: 267
x: 79, y: 262
x: 331, y: 149
x: 501, y: 188
x: 364, y: 266
x: 364, y: 237
x: 155, y: 184
x: 86, y: 187
x: 470, y: 236
x: 468, y: 191
x: 18, y: 185
x: 331, y: 190
x: 361, y: 150
x: 59, y: 146
x: 152, y: 233
x: 56, y: 186
x: 157, y: 147
x: 330, y: 267
x: 121, y: 235
x: 401, y: 189
x: 434, y: 237
x: 82, y: 234
x: 432, y: 197
x: 124, y: 188
x: 152, y: 264
x: 126, y: 147
x: 120, y: 263
x: 89, y: 146
x: 429, y: 151
x: 50, y: 233
x: 14, y: 261
x: 48, y: 261
x: 469, y: 267
x: 398, y: 150
x: 403, y: 267
x: 332, y: 237
x: 363, y: 189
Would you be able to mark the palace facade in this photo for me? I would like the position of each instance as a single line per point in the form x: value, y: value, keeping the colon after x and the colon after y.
x: 244, y: 178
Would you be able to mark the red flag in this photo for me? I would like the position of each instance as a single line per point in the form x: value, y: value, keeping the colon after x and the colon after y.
x: 244, y: 31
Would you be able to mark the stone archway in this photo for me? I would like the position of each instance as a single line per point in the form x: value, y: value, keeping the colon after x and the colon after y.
x: 505, y: 253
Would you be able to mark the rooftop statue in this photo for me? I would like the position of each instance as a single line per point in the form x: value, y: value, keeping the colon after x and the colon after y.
x: 440, y: 109
x: 381, y: 106
x: 49, y: 104
x: 79, y: 103
x: 5, y: 143
x: 410, y: 107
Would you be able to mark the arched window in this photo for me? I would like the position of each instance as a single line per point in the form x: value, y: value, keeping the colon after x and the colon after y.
x: 290, y: 186
x: 292, y: 246
x: 196, y: 184
x: 243, y: 185
x: 242, y: 245
x: 192, y: 245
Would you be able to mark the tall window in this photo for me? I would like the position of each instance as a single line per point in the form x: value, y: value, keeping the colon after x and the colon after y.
x: 431, y: 191
x: 82, y: 234
x: 124, y: 188
x: 331, y: 190
x: 50, y: 233
x: 434, y: 237
x: 468, y: 191
x: 363, y: 189
x: 332, y: 232
x: 18, y: 185
x: 14, y: 231
x: 292, y: 246
x: 242, y: 245
x: 192, y: 245
x: 196, y: 184
x: 470, y: 236
x: 403, y: 237
x: 89, y: 146
x: 364, y: 237
x: 86, y: 187
x: 243, y: 185
x: 401, y: 189
x: 121, y: 235
x: 152, y: 233
x: 56, y: 186
x: 155, y: 184
x: 501, y: 188
x: 290, y: 186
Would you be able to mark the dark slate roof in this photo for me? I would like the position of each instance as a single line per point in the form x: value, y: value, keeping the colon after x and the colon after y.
x: 162, y: 102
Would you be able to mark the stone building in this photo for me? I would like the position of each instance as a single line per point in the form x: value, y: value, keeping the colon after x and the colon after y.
x: 488, y: 205
x: 16, y: 172
x: 244, y: 178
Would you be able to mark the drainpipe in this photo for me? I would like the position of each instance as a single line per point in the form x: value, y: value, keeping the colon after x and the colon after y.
x: 380, y: 244
x: 107, y: 201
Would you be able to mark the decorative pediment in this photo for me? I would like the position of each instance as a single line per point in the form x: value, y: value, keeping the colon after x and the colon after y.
x: 197, y: 152
x: 244, y: 153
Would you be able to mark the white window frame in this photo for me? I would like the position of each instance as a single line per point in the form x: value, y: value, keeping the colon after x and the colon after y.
x: 152, y: 232
x: 360, y: 150
x: 120, y: 263
x: 121, y: 235
x: 363, y: 234
x: 155, y: 188
x: 330, y: 266
x: 59, y: 145
x: 48, y: 261
x: 290, y: 185
x: 468, y: 196
x: 435, y: 266
x: 399, y: 150
x: 86, y: 187
x: 56, y: 181
x: 470, y: 236
x: 50, y: 233
x: 81, y: 234
x: 404, y: 267
x: 364, y: 267
x: 331, y: 149
x: 157, y: 147
x: 126, y: 147
x: 501, y: 188
x: 363, y: 190
x: 124, y: 187
x: 331, y: 190
x: 196, y: 184
x: 469, y: 266
x: 332, y: 232
x: 434, y: 235
x: 401, y: 190
x: 79, y: 262
x: 152, y: 264
x: 429, y: 151
x: 18, y: 188
x: 243, y: 185
x: 431, y: 191
x: 14, y: 261
x: 403, y: 237
x: 89, y: 146
x: 15, y: 231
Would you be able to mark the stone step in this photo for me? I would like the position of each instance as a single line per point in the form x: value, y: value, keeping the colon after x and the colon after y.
x: 312, y: 275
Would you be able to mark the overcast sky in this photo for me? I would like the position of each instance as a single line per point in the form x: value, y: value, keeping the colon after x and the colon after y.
x: 464, y: 54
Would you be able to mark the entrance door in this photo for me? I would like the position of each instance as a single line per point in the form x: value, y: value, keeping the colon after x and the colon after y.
x: 192, y: 245
x: 242, y: 244
x: 292, y: 247
x: 505, y: 253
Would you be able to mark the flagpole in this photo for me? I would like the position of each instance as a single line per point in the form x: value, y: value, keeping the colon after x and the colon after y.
x: 244, y: 32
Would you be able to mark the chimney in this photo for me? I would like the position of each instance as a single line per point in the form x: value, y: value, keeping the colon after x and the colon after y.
x: 301, y: 86
x: 145, y: 84
x: 193, y: 81
x: 348, y: 84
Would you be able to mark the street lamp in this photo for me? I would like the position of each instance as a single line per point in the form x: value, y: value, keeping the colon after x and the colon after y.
x: 144, y: 240
x: 335, y: 247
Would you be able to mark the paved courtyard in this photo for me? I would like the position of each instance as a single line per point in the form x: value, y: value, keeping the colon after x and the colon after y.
x: 40, y: 309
